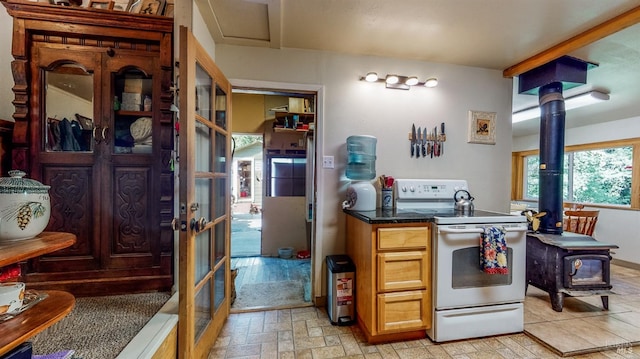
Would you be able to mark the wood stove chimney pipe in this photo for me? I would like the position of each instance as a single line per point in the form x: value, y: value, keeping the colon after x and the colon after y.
x: 548, y: 81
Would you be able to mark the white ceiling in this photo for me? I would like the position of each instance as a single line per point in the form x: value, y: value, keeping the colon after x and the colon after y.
x: 494, y: 34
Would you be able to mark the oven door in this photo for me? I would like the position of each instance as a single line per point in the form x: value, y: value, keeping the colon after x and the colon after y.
x: 458, y: 279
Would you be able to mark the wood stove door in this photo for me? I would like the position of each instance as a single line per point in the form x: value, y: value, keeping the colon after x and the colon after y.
x: 586, y: 271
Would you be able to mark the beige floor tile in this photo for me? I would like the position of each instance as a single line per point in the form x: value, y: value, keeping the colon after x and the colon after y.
x: 306, y: 333
x: 334, y: 351
x: 626, y: 326
x: 308, y: 342
x: 555, y: 336
x: 414, y: 353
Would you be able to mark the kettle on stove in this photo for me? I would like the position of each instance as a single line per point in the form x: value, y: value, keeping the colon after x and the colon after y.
x: 464, y: 202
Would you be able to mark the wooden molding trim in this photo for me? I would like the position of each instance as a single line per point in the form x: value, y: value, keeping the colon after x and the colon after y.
x: 585, y: 38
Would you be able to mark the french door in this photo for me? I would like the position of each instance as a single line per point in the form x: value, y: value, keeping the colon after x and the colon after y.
x: 204, y: 213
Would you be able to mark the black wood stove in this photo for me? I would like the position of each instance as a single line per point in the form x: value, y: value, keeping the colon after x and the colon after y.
x: 569, y: 264
x: 560, y: 263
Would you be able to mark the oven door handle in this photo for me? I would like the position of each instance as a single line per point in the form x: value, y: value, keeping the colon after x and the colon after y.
x: 460, y: 230
x: 477, y: 229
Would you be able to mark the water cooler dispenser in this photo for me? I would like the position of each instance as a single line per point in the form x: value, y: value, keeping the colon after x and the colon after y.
x: 361, y: 169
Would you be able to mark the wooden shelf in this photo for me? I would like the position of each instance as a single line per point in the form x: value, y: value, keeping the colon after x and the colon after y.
x: 291, y: 130
x: 134, y: 113
x: 32, y: 321
x: 50, y: 310
x: 21, y: 250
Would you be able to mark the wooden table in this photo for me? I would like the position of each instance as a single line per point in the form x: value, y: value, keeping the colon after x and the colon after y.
x: 53, y: 308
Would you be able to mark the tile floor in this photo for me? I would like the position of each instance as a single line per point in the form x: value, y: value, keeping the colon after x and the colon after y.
x: 307, y: 333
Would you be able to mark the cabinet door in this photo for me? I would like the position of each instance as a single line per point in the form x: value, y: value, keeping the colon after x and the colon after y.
x: 130, y: 224
x: 403, y: 311
x: 403, y: 237
x: 65, y: 105
x: 403, y: 270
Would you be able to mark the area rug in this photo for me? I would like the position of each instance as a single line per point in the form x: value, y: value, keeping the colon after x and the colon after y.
x: 270, y: 294
x: 100, y: 327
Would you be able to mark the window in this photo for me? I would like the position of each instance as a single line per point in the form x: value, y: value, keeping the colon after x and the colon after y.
x: 598, y: 174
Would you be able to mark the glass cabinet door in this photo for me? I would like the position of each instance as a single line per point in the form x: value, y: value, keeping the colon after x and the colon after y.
x: 133, y: 112
x: 68, y: 93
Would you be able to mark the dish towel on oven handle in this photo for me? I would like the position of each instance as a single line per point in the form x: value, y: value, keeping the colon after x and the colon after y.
x: 493, y: 251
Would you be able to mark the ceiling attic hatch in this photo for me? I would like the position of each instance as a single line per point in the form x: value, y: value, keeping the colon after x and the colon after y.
x: 244, y: 23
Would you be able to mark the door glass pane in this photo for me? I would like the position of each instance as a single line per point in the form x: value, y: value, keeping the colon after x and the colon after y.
x: 202, y: 309
x: 221, y: 108
x: 220, y: 232
x: 133, y: 116
x: 203, y: 255
x: 221, y: 153
x: 203, y: 93
x: 218, y: 293
x: 203, y: 198
x: 69, y: 109
x: 203, y: 147
x: 220, y: 197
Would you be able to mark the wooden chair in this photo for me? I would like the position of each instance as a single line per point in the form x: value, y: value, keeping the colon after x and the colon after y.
x: 572, y: 206
x: 583, y: 222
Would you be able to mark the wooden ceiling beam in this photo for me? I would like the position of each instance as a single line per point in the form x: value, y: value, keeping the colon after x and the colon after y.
x: 585, y: 38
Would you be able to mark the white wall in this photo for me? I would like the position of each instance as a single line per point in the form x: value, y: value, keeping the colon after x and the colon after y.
x: 351, y: 107
x: 614, y: 226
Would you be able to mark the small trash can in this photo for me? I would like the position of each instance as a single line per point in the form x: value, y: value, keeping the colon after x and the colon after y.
x: 341, y: 287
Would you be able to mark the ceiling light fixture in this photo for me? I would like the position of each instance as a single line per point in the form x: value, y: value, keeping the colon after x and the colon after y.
x: 432, y: 82
x: 391, y: 79
x: 581, y: 100
x: 399, y: 82
x: 371, y: 77
x: 411, y: 81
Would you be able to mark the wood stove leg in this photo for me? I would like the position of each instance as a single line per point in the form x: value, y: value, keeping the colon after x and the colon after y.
x: 557, y: 301
x: 605, y: 301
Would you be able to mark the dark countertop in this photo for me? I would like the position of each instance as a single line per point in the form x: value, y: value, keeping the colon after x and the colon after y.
x: 386, y: 216
x: 423, y: 215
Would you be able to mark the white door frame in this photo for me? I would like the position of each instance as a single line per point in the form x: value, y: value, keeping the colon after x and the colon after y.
x: 317, y: 230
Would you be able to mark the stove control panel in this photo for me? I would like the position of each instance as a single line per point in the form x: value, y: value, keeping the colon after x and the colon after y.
x: 427, y: 189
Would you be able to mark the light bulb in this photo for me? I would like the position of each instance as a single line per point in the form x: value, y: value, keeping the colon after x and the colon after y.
x: 371, y: 77
x: 392, y: 79
x: 411, y: 81
x: 432, y: 82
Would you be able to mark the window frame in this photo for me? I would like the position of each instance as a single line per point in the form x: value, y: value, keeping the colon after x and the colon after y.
x: 518, y: 170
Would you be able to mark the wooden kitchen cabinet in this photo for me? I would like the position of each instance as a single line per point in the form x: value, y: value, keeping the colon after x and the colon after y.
x: 393, y: 278
x: 81, y: 126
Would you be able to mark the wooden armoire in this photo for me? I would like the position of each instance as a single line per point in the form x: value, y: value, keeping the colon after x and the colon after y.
x: 93, y: 120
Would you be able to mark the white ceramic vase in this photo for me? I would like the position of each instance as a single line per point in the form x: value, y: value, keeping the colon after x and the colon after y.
x: 24, y: 207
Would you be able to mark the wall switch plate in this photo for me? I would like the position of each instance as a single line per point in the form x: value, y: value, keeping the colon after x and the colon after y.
x: 327, y: 162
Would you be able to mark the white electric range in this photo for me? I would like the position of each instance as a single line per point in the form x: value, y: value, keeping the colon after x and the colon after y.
x: 467, y: 302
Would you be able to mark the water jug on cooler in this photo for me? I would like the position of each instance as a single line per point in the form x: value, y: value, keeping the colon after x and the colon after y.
x: 361, y: 169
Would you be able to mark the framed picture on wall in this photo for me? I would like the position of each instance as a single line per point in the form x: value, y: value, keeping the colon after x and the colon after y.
x: 148, y: 7
x: 168, y: 8
x: 101, y: 4
x: 120, y: 5
x: 482, y: 127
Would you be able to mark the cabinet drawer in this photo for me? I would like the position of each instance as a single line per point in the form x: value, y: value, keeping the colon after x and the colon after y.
x: 403, y: 311
x: 403, y: 270
x: 402, y: 237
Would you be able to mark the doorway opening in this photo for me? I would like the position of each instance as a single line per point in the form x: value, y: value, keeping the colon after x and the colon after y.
x: 246, y: 195
x: 273, y: 187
